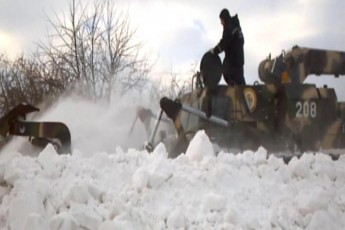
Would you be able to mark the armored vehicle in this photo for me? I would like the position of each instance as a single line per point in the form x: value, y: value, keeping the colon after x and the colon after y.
x: 282, y: 114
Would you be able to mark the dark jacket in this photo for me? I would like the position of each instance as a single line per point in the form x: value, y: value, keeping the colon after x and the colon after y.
x: 232, y: 42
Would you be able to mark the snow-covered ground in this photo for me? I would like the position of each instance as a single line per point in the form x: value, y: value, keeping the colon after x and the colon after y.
x: 104, y: 186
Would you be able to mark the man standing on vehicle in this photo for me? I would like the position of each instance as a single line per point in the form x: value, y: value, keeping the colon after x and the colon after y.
x: 232, y: 44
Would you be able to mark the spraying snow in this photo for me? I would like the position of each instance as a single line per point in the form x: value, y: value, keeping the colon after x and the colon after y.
x: 103, y: 186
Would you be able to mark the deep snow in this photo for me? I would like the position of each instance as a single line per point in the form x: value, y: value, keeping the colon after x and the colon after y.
x: 104, y: 186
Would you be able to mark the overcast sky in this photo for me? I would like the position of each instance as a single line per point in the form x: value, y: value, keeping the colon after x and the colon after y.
x: 179, y: 32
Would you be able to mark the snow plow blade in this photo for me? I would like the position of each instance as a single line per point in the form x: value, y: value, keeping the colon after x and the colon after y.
x: 40, y: 133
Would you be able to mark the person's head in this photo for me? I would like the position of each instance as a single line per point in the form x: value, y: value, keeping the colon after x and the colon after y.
x: 224, y: 17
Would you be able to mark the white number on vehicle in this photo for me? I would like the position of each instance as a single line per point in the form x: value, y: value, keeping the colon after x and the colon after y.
x: 306, y: 109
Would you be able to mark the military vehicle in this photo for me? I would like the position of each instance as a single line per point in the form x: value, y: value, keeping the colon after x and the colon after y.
x: 14, y: 123
x: 282, y: 114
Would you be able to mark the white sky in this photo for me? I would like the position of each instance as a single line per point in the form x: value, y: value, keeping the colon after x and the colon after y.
x: 179, y: 32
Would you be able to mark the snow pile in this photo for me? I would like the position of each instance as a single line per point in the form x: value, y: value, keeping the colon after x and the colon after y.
x: 137, y: 190
x: 101, y: 186
x: 200, y: 147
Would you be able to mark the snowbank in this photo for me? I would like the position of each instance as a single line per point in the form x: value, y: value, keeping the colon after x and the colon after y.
x: 137, y: 190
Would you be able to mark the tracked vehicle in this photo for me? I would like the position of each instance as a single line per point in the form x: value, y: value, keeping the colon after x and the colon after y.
x: 282, y: 114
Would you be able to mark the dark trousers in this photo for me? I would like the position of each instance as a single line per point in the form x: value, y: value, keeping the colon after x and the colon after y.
x: 233, y: 74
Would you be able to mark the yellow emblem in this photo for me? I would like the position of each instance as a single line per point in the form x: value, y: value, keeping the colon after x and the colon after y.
x: 251, y: 100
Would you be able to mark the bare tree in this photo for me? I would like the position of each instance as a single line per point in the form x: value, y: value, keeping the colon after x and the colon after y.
x: 178, y: 84
x: 24, y: 80
x: 95, y: 45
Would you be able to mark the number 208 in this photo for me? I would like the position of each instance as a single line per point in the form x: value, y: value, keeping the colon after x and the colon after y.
x: 306, y: 109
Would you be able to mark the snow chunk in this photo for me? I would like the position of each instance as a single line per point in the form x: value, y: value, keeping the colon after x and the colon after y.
x: 35, y: 221
x: 64, y: 221
x: 40, y: 186
x: 229, y: 158
x: 108, y: 225
x: 161, y: 171
x: 176, y: 219
x: 117, y: 207
x: 23, y: 206
x: 274, y: 162
x: 122, y: 225
x: 324, y: 166
x: 231, y: 216
x: 95, y: 191
x: 77, y: 193
x: 50, y: 161
x: 153, y: 175
x: 215, y: 202
x: 340, y: 198
x: 322, y: 220
x: 311, y: 200
x: 287, y: 217
x: 261, y: 156
x: 301, y: 167
x: 140, y: 179
x: 160, y: 150
x: 248, y: 157
x: 19, y: 167
x: 200, y: 147
x: 86, y: 215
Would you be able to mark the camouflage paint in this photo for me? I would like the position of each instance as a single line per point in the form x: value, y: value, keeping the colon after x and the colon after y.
x: 283, y: 114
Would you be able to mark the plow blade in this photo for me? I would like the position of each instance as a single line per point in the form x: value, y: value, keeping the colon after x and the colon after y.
x: 43, y: 133
x: 40, y: 133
